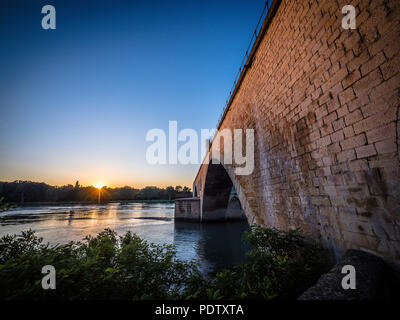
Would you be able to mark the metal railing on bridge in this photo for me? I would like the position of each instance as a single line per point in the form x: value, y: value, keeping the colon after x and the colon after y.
x: 243, y: 64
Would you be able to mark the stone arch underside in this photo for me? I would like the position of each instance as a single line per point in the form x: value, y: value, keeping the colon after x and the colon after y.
x: 222, y: 197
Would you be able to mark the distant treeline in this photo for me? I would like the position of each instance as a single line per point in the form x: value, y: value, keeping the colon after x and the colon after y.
x: 28, y: 191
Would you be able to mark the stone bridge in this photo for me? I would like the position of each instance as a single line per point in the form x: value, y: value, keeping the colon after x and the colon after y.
x: 324, y: 104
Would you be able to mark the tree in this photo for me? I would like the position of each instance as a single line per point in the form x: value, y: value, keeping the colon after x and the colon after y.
x: 3, y: 206
x: 170, y: 192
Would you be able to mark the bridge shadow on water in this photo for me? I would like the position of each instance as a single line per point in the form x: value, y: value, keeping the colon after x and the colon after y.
x: 219, y: 245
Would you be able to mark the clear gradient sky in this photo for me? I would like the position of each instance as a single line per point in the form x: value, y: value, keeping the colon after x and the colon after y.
x: 76, y: 102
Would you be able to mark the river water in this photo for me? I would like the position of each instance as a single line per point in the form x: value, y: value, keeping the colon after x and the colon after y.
x: 215, y: 245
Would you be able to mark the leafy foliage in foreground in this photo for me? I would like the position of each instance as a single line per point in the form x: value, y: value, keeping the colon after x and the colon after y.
x: 104, y: 267
x: 281, y: 265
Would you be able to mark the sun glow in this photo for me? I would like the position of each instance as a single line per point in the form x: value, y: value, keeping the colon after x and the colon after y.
x: 99, y: 185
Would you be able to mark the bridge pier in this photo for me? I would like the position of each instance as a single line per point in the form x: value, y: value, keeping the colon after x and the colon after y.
x: 215, y: 200
x: 190, y: 209
x: 187, y: 209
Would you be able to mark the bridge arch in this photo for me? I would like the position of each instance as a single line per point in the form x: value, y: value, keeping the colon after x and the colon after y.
x: 220, y: 190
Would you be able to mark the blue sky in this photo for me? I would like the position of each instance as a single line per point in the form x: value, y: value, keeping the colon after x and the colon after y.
x: 76, y: 102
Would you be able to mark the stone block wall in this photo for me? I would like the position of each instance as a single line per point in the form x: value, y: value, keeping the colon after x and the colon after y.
x: 187, y: 209
x: 324, y: 103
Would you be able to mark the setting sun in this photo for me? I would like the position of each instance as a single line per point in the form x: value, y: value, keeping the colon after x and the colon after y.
x: 99, y: 185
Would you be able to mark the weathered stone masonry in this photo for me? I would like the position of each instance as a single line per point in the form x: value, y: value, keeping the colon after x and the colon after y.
x: 187, y: 209
x: 324, y: 103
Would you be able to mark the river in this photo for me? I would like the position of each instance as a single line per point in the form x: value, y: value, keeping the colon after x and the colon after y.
x: 215, y: 245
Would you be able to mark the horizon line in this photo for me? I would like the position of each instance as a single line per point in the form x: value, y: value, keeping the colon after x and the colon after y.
x: 92, y: 185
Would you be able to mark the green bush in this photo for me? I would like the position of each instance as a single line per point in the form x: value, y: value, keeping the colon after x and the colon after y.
x: 101, y: 267
x: 280, y: 265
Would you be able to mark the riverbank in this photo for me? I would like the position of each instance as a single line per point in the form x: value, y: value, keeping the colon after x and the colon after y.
x: 108, y: 266
x: 217, y: 246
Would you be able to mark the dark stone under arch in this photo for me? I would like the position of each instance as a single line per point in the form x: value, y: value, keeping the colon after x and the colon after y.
x: 218, y: 192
